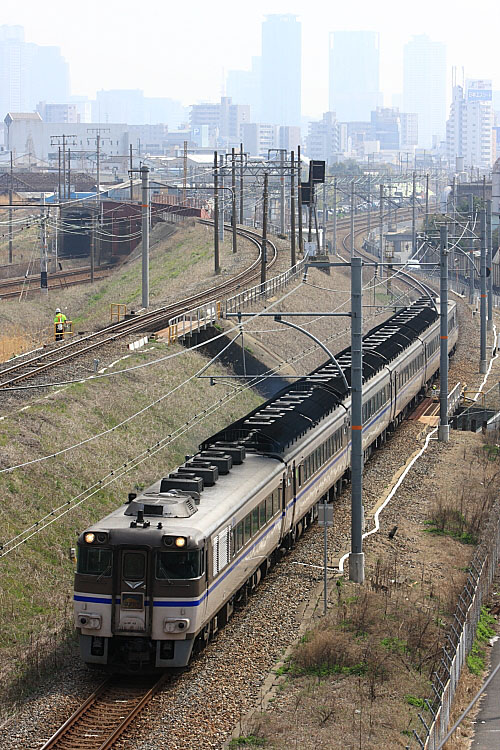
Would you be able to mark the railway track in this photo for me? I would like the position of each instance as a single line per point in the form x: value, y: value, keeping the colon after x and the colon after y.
x: 99, y: 722
x: 151, y: 321
x: 407, y: 278
x: 17, y: 287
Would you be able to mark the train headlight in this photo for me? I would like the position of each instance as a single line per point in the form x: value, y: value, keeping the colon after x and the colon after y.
x: 175, y: 625
x: 89, y: 538
x: 89, y: 621
x: 180, y: 541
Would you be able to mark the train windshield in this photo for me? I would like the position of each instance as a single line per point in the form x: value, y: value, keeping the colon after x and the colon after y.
x: 179, y: 564
x: 95, y: 561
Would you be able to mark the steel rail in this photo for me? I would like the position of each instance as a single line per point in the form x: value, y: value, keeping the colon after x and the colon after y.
x: 74, y: 733
x: 147, y: 321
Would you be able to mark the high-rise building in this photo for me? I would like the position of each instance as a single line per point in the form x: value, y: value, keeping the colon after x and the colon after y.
x: 469, y: 127
x: 259, y: 137
x: 386, y: 128
x: 244, y: 87
x: 354, y: 74
x: 218, y: 124
x: 29, y: 73
x: 424, y: 87
x: 323, y: 138
x: 409, y: 129
x: 281, y: 70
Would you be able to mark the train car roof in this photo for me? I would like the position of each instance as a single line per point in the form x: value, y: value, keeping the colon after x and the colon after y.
x: 274, y: 426
x: 180, y: 515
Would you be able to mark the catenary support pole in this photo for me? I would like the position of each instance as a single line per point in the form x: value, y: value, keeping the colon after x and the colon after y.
x: 64, y: 165
x: 489, y: 278
x: 444, y: 428
x: 282, y: 192
x: 145, y: 235
x: 216, y: 214
x: 311, y: 203
x: 299, y: 193
x: 131, y: 162
x: 293, y: 255
x: 413, y: 216
x: 427, y: 200
x: 233, y: 199
x: 241, y: 185
x: 69, y: 174
x: 335, y: 216
x: 323, y: 236
x: 369, y: 227
x: 483, y: 364
x: 221, y: 200
x: 352, y: 219
x: 92, y: 249
x: 10, y: 208
x: 59, y: 196
x: 381, y: 230
x: 356, y: 556
x: 264, y: 233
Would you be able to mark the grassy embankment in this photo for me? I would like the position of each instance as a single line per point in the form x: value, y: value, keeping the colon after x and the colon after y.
x: 35, y: 596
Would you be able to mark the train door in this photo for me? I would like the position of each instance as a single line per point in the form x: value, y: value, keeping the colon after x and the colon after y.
x: 132, y: 601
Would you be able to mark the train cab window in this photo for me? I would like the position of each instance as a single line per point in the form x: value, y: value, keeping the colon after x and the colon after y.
x: 134, y: 566
x: 262, y: 514
x: 179, y: 564
x: 95, y: 562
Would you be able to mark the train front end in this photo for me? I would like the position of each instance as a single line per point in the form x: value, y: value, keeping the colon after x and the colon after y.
x: 140, y: 585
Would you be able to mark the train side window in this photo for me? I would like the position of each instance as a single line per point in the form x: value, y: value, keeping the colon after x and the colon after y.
x: 269, y: 507
x: 255, y: 520
x: 262, y: 514
x: 277, y: 500
x: 248, y: 528
x: 300, y: 475
x: 238, y: 535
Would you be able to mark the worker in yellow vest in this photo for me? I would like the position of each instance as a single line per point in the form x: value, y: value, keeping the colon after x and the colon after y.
x: 59, y: 321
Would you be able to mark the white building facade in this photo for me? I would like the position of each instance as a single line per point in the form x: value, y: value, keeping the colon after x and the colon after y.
x: 469, y: 129
x: 27, y: 133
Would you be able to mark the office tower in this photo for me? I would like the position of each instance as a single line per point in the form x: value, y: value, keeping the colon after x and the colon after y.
x: 49, y: 75
x: 29, y: 73
x: 386, y: 128
x: 424, y: 87
x: 354, y: 74
x: 244, y: 87
x: 281, y: 70
x: 469, y: 127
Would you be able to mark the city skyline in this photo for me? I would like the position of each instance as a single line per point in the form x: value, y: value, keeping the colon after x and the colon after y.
x: 200, y: 77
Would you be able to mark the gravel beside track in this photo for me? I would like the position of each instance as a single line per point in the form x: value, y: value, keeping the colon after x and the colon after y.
x: 201, y: 707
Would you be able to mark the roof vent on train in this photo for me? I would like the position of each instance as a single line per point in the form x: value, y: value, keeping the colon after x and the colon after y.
x: 172, y: 504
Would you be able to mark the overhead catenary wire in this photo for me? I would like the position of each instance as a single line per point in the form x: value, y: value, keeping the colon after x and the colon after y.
x: 127, y: 466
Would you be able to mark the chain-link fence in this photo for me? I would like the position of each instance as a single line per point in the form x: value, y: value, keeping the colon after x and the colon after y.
x: 460, y: 638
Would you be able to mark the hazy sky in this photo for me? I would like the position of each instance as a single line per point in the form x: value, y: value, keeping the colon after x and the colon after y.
x: 181, y: 49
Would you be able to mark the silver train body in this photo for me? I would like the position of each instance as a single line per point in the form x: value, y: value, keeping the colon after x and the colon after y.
x: 162, y: 573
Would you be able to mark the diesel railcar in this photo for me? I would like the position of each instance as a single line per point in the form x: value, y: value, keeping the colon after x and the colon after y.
x: 163, y: 571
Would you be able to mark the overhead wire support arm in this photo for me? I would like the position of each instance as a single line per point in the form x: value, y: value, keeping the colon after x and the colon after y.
x: 327, y: 351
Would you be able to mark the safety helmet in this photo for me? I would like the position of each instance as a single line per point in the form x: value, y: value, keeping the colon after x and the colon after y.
x: 58, y: 310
